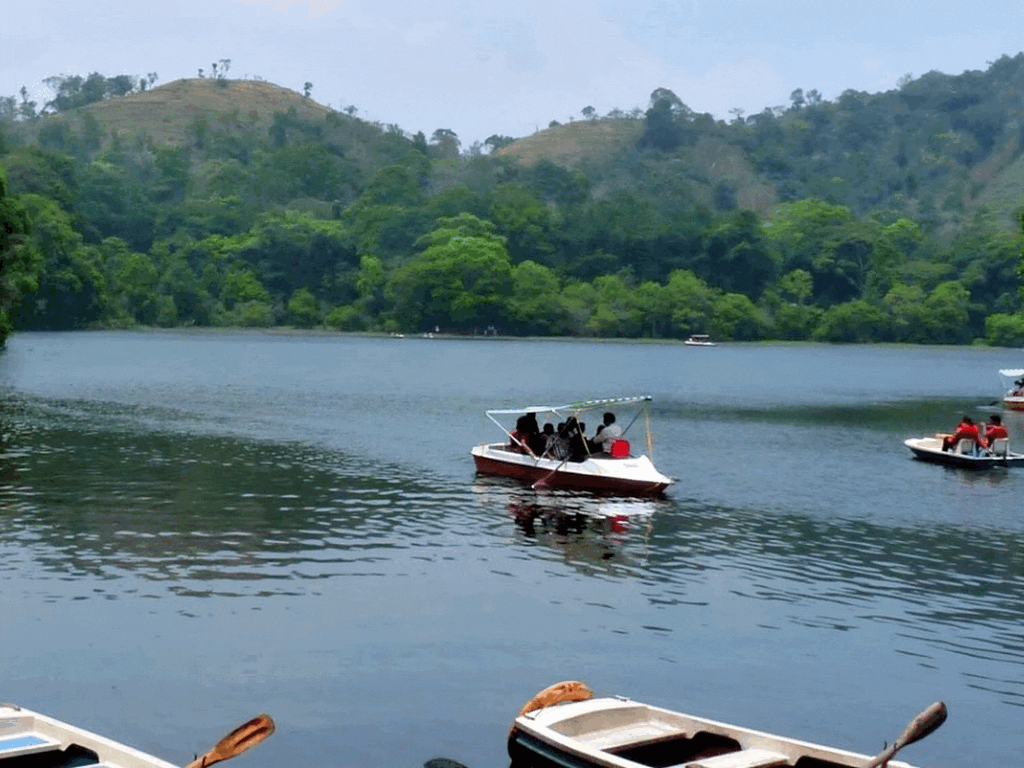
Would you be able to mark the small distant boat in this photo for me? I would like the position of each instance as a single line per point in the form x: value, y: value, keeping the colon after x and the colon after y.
x: 700, y: 340
x: 620, y: 471
x: 563, y: 726
x: 1013, y: 386
x: 965, y: 453
x: 31, y: 740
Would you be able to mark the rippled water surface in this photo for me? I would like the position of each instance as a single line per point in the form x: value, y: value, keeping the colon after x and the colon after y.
x: 196, y: 527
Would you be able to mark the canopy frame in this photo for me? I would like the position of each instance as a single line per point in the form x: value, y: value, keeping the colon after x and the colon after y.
x: 564, y: 412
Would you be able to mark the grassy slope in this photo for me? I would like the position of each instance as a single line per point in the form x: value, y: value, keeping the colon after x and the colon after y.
x: 166, y: 113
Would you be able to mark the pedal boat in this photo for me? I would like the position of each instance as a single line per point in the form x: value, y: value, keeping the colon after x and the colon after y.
x: 965, y: 454
x: 622, y: 471
x: 562, y: 726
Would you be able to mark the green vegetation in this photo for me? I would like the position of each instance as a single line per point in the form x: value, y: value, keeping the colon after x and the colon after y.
x: 218, y: 202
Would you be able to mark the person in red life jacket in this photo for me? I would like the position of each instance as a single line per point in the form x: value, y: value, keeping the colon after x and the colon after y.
x: 966, y: 430
x: 995, y: 429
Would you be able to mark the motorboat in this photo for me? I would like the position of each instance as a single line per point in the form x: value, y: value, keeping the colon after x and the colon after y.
x: 621, y: 470
x: 564, y: 726
x: 699, y: 340
x: 31, y: 740
x: 965, y: 453
x: 1013, y: 388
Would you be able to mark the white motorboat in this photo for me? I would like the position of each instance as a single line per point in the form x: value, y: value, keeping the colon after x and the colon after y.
x: 31, y: 740
x: 965, y: 453
x: 699, y: 340
x: 1013, y: 388
x: 622, y: 470
x: 563, y: 726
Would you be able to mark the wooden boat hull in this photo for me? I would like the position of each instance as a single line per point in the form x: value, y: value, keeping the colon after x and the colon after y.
x: 618, y: 733
x: 930, y: 449
x: 633, y: 475
x: 28, y: 739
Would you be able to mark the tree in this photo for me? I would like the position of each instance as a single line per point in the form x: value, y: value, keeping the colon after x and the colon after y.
x: 71, y: 290
x: 854, y: 321
x: 303, y: 310
x: 495, y: 142
x: 689, y: 302
x: 445, y: 143
x: 736, y: 317
x: 19, y: 261
x: 535, y: 306
x: 460, y: 279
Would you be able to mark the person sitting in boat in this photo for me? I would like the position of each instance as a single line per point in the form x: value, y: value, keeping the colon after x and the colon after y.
x: 607, y: 433
x: 557, y: 446
x: 524, y: 435
x: 966, y: 430
x: 995, y: 429
x: 575, y: 431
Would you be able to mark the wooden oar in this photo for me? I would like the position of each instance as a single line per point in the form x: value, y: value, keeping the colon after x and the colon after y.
x: 242, y: 738
x: 919, y: 727
x: 543, y: 482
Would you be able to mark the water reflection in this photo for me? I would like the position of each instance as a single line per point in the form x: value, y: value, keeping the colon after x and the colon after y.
x: 585, y: 528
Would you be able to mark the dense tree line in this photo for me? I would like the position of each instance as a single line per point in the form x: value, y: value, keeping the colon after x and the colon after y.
x: 355, y: 226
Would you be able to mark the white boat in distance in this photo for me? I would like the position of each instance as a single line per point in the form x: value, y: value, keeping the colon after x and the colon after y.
x: 622, y: 471
x: 1013, y: 388
x: 562, y: 726
x: 31, y: 740
x: 699, y: 340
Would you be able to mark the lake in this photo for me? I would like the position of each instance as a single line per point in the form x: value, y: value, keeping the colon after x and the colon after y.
x: 198, y: 526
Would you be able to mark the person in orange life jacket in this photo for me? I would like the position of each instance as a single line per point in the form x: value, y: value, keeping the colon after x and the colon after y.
x: 995, y: 429
x: 966, y: 430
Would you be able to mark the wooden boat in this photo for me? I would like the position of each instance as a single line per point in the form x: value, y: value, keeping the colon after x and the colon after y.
x: 1013, y: 386
x: 31, y: 740
x: 563, y: 726
x: 699, y: 340
x: 965, y: 454
x: 621, y: 471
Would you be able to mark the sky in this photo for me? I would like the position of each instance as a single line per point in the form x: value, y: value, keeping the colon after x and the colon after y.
x: 486, y: 68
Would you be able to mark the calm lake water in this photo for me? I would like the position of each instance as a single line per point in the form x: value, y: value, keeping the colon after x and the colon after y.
x: 195, y: 527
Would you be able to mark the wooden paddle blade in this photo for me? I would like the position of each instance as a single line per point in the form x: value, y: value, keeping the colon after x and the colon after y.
x: 244, y: 737
x: 567, y: 690
x: 922, y: 725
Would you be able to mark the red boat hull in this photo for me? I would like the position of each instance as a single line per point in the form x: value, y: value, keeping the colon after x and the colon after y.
x: 564, y: 477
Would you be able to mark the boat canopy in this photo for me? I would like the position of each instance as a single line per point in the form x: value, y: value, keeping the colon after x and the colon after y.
x: 582, y: 405
x: 1012, y: 372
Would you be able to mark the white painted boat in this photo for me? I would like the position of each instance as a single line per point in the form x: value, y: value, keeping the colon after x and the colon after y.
x: 699, y: 340
x: 31, y: 740
x: 623, y: 470
x: 563, y: 726
x: 1013, y: 388
x: 965, y: 454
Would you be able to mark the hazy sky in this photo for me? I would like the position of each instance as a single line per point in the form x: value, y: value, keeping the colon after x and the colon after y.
x: 510, y: 68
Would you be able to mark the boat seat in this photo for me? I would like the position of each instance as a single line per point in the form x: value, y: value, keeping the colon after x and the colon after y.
x: 1000, y: 446
x: 745, y: 758
x: 966, y: 447
x: 26, y: 744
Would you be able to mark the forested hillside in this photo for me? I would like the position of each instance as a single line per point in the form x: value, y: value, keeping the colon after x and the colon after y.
x: 213, y: 201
